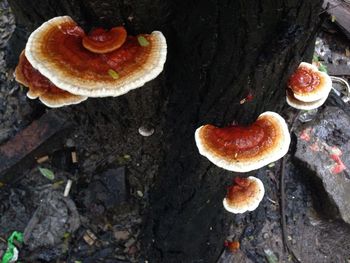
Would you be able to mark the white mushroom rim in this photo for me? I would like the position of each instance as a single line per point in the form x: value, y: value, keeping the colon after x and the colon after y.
x: 302, y: 105
x: 233, y: 164
x: 150, y: 70
x: 56, y: 103
x: 252, y: 203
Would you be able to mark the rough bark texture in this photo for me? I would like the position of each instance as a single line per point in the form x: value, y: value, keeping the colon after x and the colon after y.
x: 218, y: 52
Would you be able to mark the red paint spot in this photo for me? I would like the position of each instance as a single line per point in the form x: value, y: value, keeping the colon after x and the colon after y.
x: 233, y: 246
x: 339, y: 166
x: 250, y: 97
x: 305, y: 134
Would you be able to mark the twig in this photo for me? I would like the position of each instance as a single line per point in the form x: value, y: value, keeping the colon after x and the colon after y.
x: 3, y: 240
x: 283, y: 200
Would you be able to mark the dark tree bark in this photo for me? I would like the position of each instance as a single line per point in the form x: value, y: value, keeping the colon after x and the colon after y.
x: 218, y: 52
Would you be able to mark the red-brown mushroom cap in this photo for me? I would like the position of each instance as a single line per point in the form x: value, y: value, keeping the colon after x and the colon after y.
x: 309, y: 84
x: 41, y: 87
x: 102, y: 41
x: 56, y: 50
x: 242, y: 149
x: 244, y: 195
x: 302, y: 105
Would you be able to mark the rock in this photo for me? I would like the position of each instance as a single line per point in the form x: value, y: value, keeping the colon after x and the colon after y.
x: 323, y: 145
x: 114, y: 180
x: 109, y: 189
x: 121, y: 235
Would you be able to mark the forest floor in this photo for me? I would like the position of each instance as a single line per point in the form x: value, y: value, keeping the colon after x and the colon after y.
x: 101, y: 219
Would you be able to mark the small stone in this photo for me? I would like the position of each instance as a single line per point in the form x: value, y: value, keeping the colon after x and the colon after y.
x: 70, y: 143
x: 121, y: 235
x: 146, y: 131
x: 139, y: 193
x: 265, y: 235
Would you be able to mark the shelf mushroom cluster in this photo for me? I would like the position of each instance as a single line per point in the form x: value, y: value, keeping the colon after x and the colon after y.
x: 308, y: 88
x: 62, y: 65
x: 243, y: 149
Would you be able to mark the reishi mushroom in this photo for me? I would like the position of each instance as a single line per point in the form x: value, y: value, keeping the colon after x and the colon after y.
x: 41, y: 87
x: 302, y: 105
x: 308, y: 87
x: 101, y: 41
x: 56, y: 50
x: 245, y: 148
x: 244, y: 195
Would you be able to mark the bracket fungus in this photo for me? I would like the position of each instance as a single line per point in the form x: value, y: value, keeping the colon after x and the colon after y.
x: 244, y: 195
x: 41, y: 87
x: 245, y: 148
x: 308, y: 87
x: 302, y: 105
x: 101, y: 41
x: 56, y: 50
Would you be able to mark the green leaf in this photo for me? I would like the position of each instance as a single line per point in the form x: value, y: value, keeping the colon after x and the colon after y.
x: 47, y: 173
x: 142, y: 41
x: 113, y: 74
x: 322, y: 68
x: 270, y: 256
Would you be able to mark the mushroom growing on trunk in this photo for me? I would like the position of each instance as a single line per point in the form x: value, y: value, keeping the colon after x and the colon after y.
x: 245, y: 148
x: 308, y: 88
x: 56, y: 50
x: 101, y: 41
x: 245, y: 195
x: 41, y: 87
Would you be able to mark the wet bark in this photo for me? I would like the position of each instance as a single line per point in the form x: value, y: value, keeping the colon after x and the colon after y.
x: 218, y: 53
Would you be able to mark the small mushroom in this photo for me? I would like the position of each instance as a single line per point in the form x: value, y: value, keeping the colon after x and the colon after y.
x: 244, y: 195
x: 308, y: 84
x: 56, y: 50
x: 41, y: 87
x: 245, y: 148
x: 101, y: 41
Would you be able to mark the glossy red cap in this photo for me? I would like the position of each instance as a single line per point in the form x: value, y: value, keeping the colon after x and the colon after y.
x: 56, y: 50
x: 308, y: 84
x: 245, y: 148
x: 245, y: 195
x: 101, y: 41
x: 42, y: 88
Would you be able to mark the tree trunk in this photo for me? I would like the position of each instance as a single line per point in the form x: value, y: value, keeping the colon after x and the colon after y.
x: 218, y: 53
